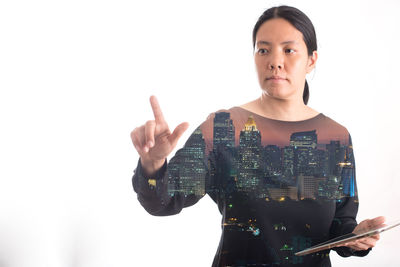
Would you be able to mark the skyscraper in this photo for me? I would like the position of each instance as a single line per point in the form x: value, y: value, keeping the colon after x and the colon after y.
x: 348, y: 173
x: 187, y: 171
x: 249, y: 162
x: 334, y: 153
x: 224, y: 131
x: 305, y: 146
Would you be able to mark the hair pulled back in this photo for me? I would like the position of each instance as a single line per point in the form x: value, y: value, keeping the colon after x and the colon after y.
x: 300, y: 21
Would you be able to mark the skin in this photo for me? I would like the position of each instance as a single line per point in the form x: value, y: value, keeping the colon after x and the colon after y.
x: 154, y: 141
x: 281, y: 100
x: 368, y: 242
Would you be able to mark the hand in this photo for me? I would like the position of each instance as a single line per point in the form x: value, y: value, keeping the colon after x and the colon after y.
x: 367, y: 242
x: 154, y: 141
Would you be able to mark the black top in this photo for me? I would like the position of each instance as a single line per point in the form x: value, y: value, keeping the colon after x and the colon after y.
x: 280, y: 186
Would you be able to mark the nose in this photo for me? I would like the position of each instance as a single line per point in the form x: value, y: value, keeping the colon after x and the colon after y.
x: 274, y: 66
x: 275, y: 62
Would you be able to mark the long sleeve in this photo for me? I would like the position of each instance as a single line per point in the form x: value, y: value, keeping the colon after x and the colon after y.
x: 347, y: 204
x: 179, y: 183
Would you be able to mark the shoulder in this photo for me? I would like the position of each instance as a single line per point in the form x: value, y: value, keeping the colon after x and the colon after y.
x: 334, y: 124
x: 335, y: 130
x: 227, y: 113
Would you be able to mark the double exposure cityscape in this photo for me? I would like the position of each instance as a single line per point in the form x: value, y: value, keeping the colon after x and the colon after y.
x: 247, y: 178
x: 298, y: 171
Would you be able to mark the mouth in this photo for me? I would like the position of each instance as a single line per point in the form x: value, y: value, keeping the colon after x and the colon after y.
x: 276, y: 79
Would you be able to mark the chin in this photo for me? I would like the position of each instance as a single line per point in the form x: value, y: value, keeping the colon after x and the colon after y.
x: 281, y: 93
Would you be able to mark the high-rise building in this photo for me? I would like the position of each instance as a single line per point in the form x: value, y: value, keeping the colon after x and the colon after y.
x: 305, y: 146
x: 224, y: 130
x: 322, y: 161
x: 348, y: 173
x: 223, y: 172
x: 188, y: 169
x: 308, y: 187
x: 249, y: 171
x: 288, y: 162
x: 272, y: 158
x: 334, y: 156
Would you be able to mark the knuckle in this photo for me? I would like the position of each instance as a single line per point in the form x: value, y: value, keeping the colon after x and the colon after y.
x: 137, y: 131
x: 133, y: 135
x: 135, y: 141
x: 150, y: 123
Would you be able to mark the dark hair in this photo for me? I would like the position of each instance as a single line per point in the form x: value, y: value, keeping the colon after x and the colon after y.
x: 300, y: 21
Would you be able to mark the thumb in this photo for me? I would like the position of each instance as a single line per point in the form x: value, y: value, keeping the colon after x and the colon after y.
x: 377, y: 221
x: 177, y: 133
x: 370, y: 224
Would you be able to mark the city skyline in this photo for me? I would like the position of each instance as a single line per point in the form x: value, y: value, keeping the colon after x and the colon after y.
x: 227, y: 159
x: 273, y: 135
x: 301, y: 169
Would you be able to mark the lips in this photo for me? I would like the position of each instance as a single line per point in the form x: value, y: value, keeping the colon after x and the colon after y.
x: 276, y: 78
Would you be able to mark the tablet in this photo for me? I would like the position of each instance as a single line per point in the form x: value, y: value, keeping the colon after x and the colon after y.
x: 348, y: 237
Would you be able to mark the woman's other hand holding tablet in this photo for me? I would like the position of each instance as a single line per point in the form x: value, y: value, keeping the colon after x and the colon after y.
x: 367, y: 242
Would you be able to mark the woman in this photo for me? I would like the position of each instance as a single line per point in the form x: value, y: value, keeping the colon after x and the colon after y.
x: 281, y: 173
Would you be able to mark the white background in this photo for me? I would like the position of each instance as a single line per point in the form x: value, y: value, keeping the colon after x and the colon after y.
x: 75, y: 80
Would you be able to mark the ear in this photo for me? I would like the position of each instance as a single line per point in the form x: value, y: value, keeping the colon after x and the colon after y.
x: 312, y: 60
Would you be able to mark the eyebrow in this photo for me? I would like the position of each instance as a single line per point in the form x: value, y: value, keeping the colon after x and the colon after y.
x: 269, y: 43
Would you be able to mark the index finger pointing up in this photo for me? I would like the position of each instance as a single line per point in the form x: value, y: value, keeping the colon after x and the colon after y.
x: 158, y: 116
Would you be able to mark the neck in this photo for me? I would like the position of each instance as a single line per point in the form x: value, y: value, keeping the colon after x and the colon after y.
x: 284, y: 109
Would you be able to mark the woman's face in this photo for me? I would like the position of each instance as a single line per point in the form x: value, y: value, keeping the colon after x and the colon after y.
x: 281, y: 51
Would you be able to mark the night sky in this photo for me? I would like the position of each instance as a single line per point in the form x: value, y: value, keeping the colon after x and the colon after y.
x: 275, y: 132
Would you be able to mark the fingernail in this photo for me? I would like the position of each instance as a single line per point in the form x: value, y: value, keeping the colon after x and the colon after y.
x: 146, y: 149
x: 150, y: 144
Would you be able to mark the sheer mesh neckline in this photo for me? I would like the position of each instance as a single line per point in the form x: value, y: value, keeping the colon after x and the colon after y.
x: 270, y: 119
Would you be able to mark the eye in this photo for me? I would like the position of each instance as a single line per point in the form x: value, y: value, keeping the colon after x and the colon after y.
x: 262, y: 51
x: 290, y: 50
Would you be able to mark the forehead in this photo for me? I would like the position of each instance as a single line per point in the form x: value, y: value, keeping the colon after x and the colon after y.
x: 278, y: 31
